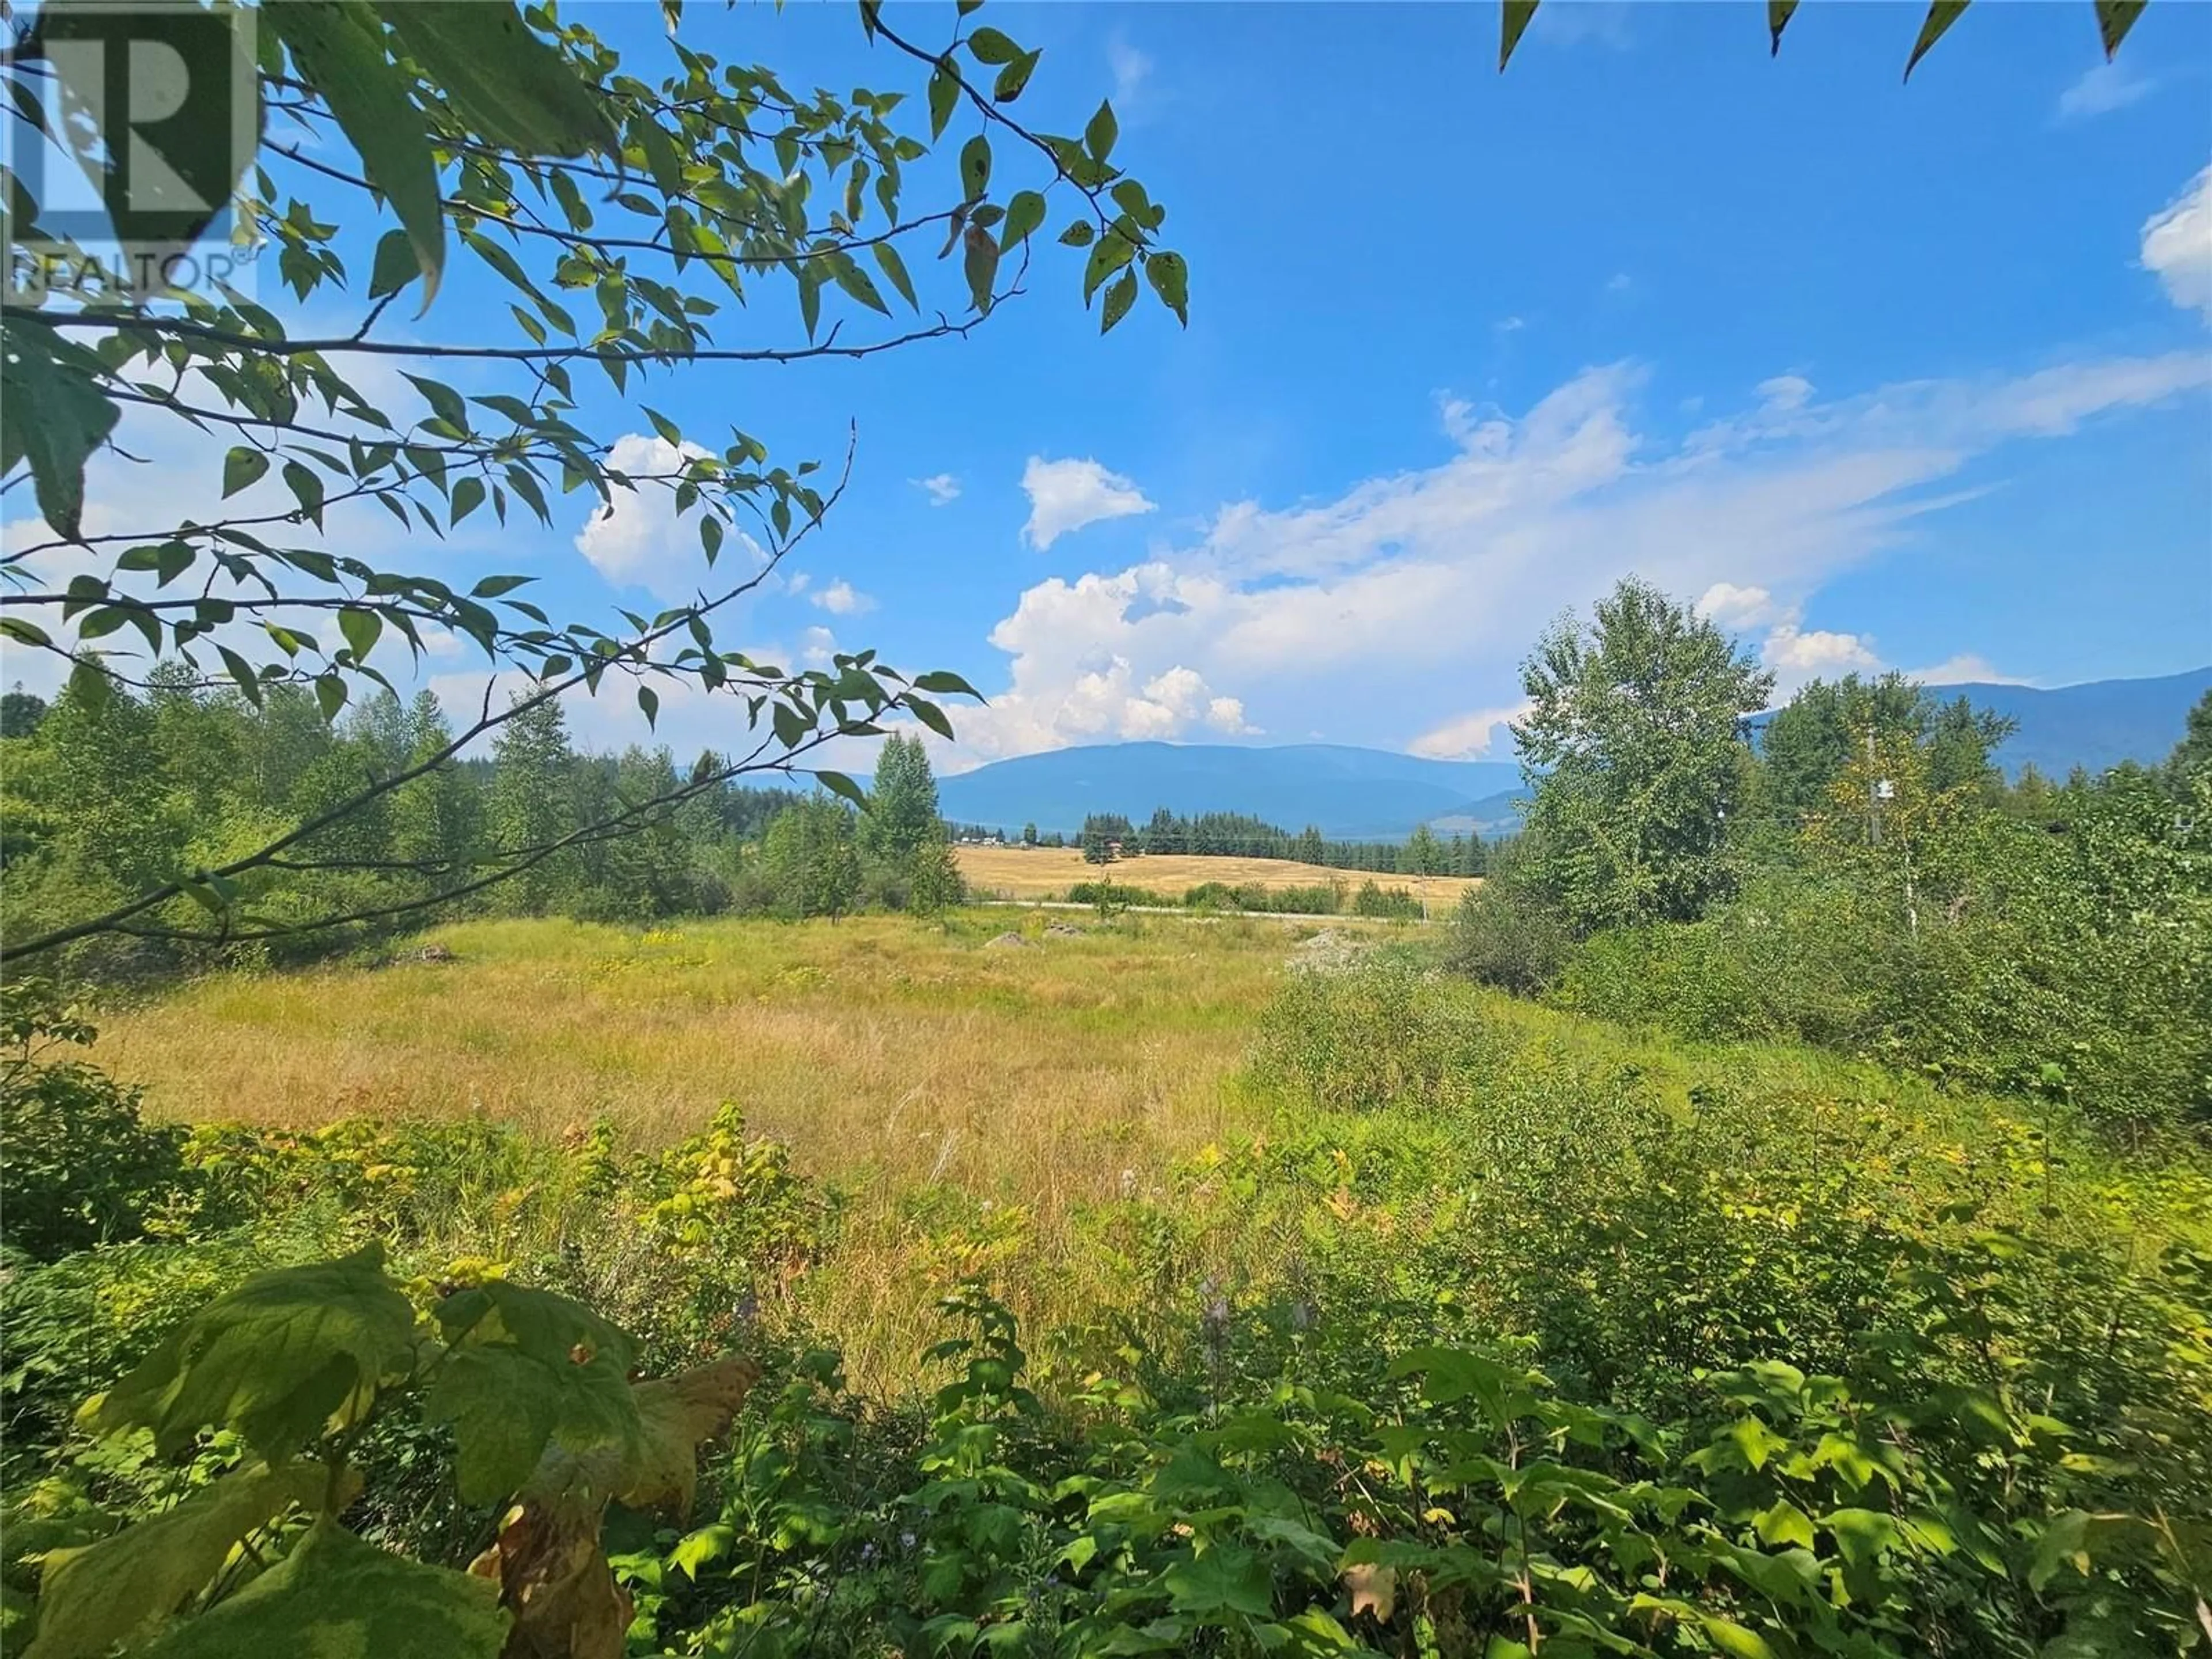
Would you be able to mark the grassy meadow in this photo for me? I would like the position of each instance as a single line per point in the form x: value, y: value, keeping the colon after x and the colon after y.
x: 968, y: 1098
x: 1045, y: 872
x: 1083, y: 1117
x: 1196, y: 1200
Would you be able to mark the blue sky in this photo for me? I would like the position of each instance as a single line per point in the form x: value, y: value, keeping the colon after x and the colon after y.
x: 1883, y: 375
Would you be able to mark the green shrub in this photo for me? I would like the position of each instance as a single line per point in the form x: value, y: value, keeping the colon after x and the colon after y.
x: 1507, y: 934
x: 1317, y: 900
x: 1395, y: 903
x: 79, y: 1166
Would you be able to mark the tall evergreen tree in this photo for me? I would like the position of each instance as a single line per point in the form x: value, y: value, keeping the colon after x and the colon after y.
x: 533, y: 801
x: 437, y: 819
x: 902, y: 815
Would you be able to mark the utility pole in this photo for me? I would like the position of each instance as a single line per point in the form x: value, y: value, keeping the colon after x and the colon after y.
x: 1873, y: 794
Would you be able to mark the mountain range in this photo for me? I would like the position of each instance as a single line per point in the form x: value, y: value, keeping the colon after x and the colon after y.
x: 1352, y: 794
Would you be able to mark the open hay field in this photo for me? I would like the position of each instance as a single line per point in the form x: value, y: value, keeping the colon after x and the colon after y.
x: 1037, y: 873
x: 969, y: 1097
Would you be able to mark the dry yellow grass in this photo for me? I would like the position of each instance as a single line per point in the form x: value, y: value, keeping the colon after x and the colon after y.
x: 929, y: 1073
x: 1035, y: 873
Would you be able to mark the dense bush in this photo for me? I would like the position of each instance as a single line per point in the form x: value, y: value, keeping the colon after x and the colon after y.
x: 1395, y: 903
x: 1315, y: 901
x: 78, y: 1164
x: 1504, y: 934
x: 2024, y: 957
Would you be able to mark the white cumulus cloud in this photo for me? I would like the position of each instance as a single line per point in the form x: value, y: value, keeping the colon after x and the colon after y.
x: 639, y: 540
x: 1065, y: 495
x: 842, y: 599
x: 942, y: 488
x: 1446, y: 572
x: 1734, y: 607
x: 2176, y: 245
x: 1478, y: 735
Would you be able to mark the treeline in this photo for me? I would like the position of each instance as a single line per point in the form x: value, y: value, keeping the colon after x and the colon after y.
x: 108, y: 796
x: 1861, y: 878
x: 1108, y: 835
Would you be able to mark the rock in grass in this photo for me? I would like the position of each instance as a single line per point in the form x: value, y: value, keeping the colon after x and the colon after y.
x: 1011, y: 942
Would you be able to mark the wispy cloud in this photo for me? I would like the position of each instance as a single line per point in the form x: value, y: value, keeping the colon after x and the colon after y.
x: 1131, y: 69
x: 2103, y: 89
x: 942, y: 488
x: 1440, y: 575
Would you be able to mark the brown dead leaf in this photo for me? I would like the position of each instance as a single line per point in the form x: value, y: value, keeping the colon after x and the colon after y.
x: 553, y: 1576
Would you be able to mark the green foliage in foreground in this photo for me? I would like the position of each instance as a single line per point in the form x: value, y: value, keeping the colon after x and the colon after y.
x: 1502, y: 1336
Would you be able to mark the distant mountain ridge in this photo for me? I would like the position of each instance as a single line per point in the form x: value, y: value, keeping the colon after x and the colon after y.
x: 1348, y: 793
x: 2095, y: 724
x: 1374, y: 795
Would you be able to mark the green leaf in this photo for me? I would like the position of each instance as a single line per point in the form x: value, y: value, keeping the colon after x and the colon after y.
x: 1171, y: 279
x: 981, y: 263
x: 944, y: 683
x: 944, y: 96
x: 245, y: 466
x: 241, y: 672
x: 1511, y: 28
x: 492, y: 586
x: 92, y: 1598
x: 394, y: 266
x: 695, y: 1550
x: 1862, y: 1535
x: 276, y: 1359
x: 1024, y: 213
x: 1778, y: 13
x: 52, y: 415
x: 526, y: 1367
x: 468, y: 495
x: 1078, y: 235
x: 2114, y: 19
x: 1113, y: 251
x: 1014, y: 79
x: 976, y: 167
x: 1942, y: 13
x: 649, y: 701
x: 505, y: 82
x: 1120, y: 295
x: 838, y: 784
x: 1784, y: 1525
x: 337, y: 1597
x: 1734, y: 1639
x: 330, y: 694
x: 447, y: 404
x: 930, y: 715
x: 1099, y: 135
x: 992, y: 45
x: 361, y: 628
x: 894, y: 268
x: 854, y: 280
x: 337, y: 46
x: 306, y: 490
x: 1225, y: 1579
